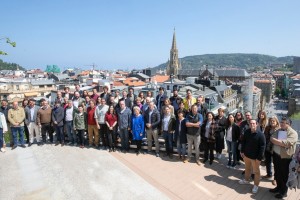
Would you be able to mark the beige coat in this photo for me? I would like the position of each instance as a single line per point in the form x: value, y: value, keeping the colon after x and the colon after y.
x: 290, y: 143
x: 16, y: 116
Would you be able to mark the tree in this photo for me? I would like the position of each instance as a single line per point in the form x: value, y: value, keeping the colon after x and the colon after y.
x: 277, y: 91
x: 8, y: 41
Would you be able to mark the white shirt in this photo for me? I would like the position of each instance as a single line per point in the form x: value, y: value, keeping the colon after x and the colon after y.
x: 31, y: 113
x: 150, y: 113
x: 229, y: 134
x: 69, y: 114
x: 166, y: 122
x: 100, y: 113
x: 207, y: 127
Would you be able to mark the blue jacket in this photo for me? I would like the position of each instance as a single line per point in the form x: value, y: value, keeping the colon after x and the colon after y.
x: 138, y: 127
x: 58, y: 115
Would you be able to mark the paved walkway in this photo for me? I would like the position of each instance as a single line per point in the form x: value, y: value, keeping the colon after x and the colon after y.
x: 59, y: 173
x: 188, y: 181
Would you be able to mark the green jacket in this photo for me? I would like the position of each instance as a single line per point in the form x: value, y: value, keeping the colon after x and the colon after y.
x: 80, y: 121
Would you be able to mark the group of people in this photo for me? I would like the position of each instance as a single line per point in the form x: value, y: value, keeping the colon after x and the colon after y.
x: 185, y: 123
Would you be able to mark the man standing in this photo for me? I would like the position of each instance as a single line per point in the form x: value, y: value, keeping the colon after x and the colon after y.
x: 160, y: 98
x: 31, y: 121
x: 202, y: 106
x: 128, y: 102
x: 253, y: 148
x: 92, y: 124
x: 16, y: 116
x: 58, y: 115
x: 59, y: 97
x: 284, y: 141
x: 77, y: 99
x: 69, y: 116
x: 131, y: 95
x: 77, y: 89
x: 152, y: 120
x: 105, y: 95
x: 95, y: 95
x: 100, y: 112
x: 124, y: 120
x: 221, y: 122
x: 175, y: 100
x: 44, y: 121
x: 194, y: 121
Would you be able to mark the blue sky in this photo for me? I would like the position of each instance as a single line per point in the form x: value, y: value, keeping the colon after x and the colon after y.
x: 138, y: 33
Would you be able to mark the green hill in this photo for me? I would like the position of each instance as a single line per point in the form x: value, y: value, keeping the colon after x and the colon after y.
x: 233, y: 60
x: 9, y: 66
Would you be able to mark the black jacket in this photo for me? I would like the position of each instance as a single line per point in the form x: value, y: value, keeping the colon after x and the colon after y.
x: 235, y: 132
x: 253, y: 144
x: 182, y: 134
x: 155, y: 118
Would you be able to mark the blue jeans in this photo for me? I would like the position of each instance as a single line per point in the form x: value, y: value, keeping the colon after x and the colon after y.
x: 60, y: 136
x: 1, y: 137
x: 70, y: 131
x: 231, y: 148
x: 124, y: 139
x: 168, y: 142
x: 15, y: 131
x: 181, y: 148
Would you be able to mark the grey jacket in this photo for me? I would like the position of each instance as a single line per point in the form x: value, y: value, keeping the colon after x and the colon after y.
x: 124, y: 118
x: 28, y: 114
x: 58, y: 115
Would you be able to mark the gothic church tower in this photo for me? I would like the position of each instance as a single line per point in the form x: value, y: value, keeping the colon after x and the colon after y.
x: 173, y: 64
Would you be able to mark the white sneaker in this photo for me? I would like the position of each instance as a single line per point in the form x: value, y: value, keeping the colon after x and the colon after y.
x: 3, y: 150
x: 254, y: 189
x: 244, y: 182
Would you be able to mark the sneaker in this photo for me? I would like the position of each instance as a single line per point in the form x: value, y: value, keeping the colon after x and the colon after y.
x: 254, y: 189
x: 244, y: 182
x: 2, y: 150
x: 69, y: 143
x: 233, y: 167
x: 228, y: 165
x: 219, y: 156
x: 157, y: 154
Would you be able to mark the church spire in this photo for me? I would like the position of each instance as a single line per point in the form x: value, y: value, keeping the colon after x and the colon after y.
x: 174, y: 41
x: 173, y: 65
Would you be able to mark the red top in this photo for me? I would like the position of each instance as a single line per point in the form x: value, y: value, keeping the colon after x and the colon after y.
x: 111, y: 118
x: 91, y: 116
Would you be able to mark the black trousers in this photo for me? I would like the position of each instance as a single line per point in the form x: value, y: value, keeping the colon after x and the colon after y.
x: 47, y: 128
x: 103, y: 134
x: 26, y: 133
x: 219, y: 142
x: 281, y: 172
x: 139, y: 145
x: 81, y: 136
x: 112, y: 135
x: 208, y: 149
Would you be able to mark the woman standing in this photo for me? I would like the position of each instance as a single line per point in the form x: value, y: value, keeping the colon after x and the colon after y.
x: 138, y: 128
x: 141, y: 95
x: 272, y: 127
x: 262, y: 121
x: 80, y: 124
x: 232, y: 137
x: 238, y: 120
x: 220, y: 132
x: 208, y: 133
x: 111, y: 120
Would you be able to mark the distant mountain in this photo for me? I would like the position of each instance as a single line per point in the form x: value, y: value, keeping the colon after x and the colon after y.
x: 233, y: 60
x: 9, y: 66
